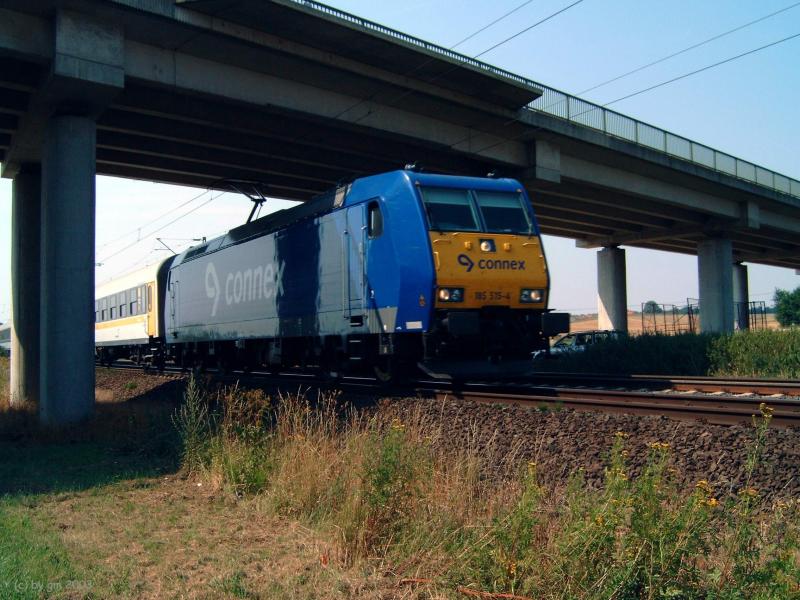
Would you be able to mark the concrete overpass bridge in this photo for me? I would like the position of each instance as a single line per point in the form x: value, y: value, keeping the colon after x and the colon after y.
x: 300, y: 95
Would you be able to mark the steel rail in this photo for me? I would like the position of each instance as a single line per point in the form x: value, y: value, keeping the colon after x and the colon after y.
x: 732, y: 385
x: 719, y: 409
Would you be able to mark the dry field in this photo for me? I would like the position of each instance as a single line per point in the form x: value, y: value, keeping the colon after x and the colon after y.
x: 589, y: 322
x: 105, y: 510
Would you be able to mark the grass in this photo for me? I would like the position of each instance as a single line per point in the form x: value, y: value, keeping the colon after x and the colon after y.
x: 378, y: 488
x: 242, y: 495
x: 742, y: 354
x: 102, y: 511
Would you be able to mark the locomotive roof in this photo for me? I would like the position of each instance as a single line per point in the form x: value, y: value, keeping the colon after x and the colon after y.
x: 353, y: 193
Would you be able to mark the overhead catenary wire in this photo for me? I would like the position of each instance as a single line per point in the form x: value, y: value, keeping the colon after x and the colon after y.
x: 493, y: 23
x: 527, y: 29
x: 151, y: 233
x: 706, y: 68
x: 154, y: 220
x: 688, y: 48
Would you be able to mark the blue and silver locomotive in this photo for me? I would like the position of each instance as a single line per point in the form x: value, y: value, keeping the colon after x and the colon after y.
x: 387, y: 272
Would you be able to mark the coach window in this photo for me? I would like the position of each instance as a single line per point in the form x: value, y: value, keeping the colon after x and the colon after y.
x: 149, y: 299
x: 112, y: 313
x: 375, y: 228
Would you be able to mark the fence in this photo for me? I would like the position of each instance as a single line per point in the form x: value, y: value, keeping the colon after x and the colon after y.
x: 666, y: 319
x: 670, y: 319
x: 587, y: 114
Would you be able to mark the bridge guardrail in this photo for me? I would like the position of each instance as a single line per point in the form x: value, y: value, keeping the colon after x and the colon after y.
x: 594, y: 116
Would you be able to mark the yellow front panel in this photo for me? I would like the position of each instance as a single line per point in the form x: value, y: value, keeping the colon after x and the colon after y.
x: 489, y: 278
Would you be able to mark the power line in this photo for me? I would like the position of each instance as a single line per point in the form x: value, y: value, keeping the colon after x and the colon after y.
x: 497, y: 20
x: 706, y: 68
x: 150, y: 234
x: 150, y: 222
x: 527, y: 29
x: 652, y: 87
x: 688, y: 48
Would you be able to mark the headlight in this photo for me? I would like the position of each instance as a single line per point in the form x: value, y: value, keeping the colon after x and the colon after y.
x: 527, y: 296
x: 451, y: 294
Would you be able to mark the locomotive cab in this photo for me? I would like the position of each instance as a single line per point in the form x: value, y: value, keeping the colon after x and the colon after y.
x: 491, y: 278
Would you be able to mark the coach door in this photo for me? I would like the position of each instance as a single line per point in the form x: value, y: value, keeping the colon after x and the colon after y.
x: 353, y: 271
x: 149, y: 303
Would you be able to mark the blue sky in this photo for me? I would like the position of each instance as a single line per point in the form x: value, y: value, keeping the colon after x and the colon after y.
x: 747, y: 108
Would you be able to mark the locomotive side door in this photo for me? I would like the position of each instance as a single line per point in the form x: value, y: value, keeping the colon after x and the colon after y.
x: 353, y: 267
x: 172, y: 286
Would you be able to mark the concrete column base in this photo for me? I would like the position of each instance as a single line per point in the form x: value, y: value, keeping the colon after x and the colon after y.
x: 741, y: 297
x: 612, y: 292
x: 715, y: 275
x: 26, y: 210
x: 67, y: 283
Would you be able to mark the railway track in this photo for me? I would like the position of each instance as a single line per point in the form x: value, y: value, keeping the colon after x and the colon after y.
x: 717, y: 401
x: 712, y: 385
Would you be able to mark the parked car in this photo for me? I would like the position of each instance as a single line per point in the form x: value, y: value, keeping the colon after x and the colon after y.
x: 578, y: 341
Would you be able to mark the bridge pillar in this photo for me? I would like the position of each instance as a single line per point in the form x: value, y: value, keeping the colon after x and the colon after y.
x: 612, y: 293
x: 67, y: 284
x: 715, y: 277
x: 741, y: 296
x: 26, y: 202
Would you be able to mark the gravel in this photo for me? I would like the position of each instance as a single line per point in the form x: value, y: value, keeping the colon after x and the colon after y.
x: 561, y: 442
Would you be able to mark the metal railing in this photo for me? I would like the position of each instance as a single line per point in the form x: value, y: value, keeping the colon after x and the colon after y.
x: 594, y: 116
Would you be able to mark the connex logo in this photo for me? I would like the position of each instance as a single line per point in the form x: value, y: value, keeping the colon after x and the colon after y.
x: 260, y: 283
x: 488, y: 264
x: 466, y: 261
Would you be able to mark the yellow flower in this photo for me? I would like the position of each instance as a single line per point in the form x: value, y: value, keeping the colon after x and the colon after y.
x: 620, y: 434
x: 712, y: 502
x: 704, y: 486
x: 765, y: 410
x: 599, y: 520
x: 749, y: 492
x: 512, y: 568
x: 397, y: 425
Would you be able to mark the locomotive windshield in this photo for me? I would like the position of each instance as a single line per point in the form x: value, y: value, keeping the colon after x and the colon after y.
x: 450, y: 210
x: 468, y: 210
x: 504, y: 212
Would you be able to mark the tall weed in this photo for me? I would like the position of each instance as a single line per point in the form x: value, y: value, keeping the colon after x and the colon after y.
x: 386, y: 495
